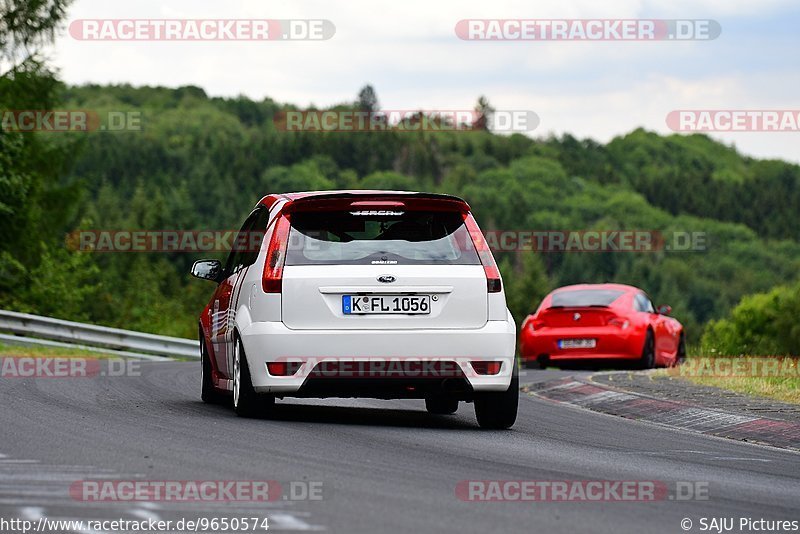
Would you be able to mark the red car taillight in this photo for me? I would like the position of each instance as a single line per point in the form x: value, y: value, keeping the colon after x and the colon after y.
x: 619, y: 321
x: 486, y: 368
x: 276, y: 255
x: 493, y: 283
x: 283, y: 368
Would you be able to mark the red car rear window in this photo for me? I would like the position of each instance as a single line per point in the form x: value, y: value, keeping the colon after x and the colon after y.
x: 585, y: 298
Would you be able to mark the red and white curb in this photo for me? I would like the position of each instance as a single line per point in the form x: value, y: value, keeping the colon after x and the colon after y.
x: 591, y: 396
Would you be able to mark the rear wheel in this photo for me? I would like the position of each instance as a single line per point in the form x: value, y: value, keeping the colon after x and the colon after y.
x: 648, y: 359
x: 246, y: 402
x: 499, y: 410
x: 533, y: 364
x: 441, y: 405
x: 208, y: 392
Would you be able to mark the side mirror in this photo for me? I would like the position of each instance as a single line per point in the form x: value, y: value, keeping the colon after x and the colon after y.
x: 664, y: 309
x: 208, y: 270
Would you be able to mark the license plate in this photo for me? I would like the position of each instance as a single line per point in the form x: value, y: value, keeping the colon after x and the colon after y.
x: 577, y: 343
x: 379, y: 304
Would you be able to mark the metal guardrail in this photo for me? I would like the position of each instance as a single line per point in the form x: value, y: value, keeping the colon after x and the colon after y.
x: 115, y: 340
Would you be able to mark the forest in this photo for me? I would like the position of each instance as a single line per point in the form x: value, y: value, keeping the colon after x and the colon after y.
x: 197, y: 162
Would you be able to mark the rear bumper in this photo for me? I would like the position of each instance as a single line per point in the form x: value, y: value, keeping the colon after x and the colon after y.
x: 611, y: 343
x: 266, y: 342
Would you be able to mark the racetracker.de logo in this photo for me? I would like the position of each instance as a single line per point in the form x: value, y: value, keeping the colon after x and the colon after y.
x: 69, y: 120
x: 405, y: 120
x: 28, y: 367
x: 580, y: 490
x: 202, y: 29
x: 588, y: 29
x: 540, y: 241
x: 734, y: 120
x: 739, y: 366
x: 196, y: 490
x: 176, y: 490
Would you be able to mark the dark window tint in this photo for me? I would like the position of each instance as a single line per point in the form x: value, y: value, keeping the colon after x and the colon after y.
x: 584, y: 297
x: 248, y: 241
x: 375, y: 237
x: 644, y: 304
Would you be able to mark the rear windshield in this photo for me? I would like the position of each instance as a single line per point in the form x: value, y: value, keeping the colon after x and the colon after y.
x: 584, y: 297
x: 380, y: 237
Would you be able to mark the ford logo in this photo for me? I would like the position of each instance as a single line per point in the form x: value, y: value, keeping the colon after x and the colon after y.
x: 386, y: 279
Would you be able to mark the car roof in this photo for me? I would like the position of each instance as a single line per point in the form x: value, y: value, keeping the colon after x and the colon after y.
x: 617, y: 287
x: 271, y: 199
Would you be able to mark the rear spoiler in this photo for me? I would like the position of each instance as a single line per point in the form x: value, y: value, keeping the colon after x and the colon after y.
x: 385, y: 200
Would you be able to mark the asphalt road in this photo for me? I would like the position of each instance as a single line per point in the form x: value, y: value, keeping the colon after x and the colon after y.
x: 386, y: 466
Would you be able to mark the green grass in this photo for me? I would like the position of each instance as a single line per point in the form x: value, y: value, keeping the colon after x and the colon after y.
x: 782, y: 389
x: 18, y: 351
x: 783, y: 385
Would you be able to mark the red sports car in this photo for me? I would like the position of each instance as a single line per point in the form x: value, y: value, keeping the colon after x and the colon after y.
x: 601, y: 322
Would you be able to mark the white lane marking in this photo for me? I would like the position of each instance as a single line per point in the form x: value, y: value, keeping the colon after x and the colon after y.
x: 698, y: 418
x: 734, y: 459
x: 37, y: 513
x: 604, y: 396
x: 47, y: 485
x: 664, y: 452
x: 568, y: 385
x: 284, y: 521
x: 32, y: 513
x: 143, y: 513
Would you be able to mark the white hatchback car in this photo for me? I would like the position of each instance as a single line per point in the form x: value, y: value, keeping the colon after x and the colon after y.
x: 375, y: 294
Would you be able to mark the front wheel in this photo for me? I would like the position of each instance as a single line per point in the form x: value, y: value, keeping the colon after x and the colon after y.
x: 681, y: 356
x: 246, y: 402
x: 498, y: 411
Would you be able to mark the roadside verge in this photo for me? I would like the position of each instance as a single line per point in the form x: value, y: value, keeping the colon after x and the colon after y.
x: 589, y: 393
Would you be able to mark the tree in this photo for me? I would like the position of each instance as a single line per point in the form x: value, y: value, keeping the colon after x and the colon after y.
x: 30, y: 164
x: 483, y: 114
x: 368, y: 99
x: 25, y: 27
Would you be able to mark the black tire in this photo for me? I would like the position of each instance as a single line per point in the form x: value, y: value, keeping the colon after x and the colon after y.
x: 498, y: 411
x: 208, y: 393
x: 246, y: 402
x: 441, y: 405
x: 681, y: 351
x: 648, y: 359
x: 533, y: 364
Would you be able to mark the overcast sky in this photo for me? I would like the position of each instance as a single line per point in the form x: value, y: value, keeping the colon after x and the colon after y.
x: 409, y: 51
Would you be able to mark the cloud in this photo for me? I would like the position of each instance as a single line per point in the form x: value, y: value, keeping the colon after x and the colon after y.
x: 409, y: 51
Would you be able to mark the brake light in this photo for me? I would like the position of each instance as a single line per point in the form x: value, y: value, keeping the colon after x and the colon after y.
x: 283, y: 368
x: 531, y: 323
x: 276, y: 256
x: 486, y: 368
x: 618, y: 321
x: 493, y: 284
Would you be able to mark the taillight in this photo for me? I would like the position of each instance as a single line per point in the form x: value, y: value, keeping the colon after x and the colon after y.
x: 486, y: 368
x: 535, y: 324
x: 283, y: 368
x: 493, y: 283
x: 618, y: 321
x: 276, y: 256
